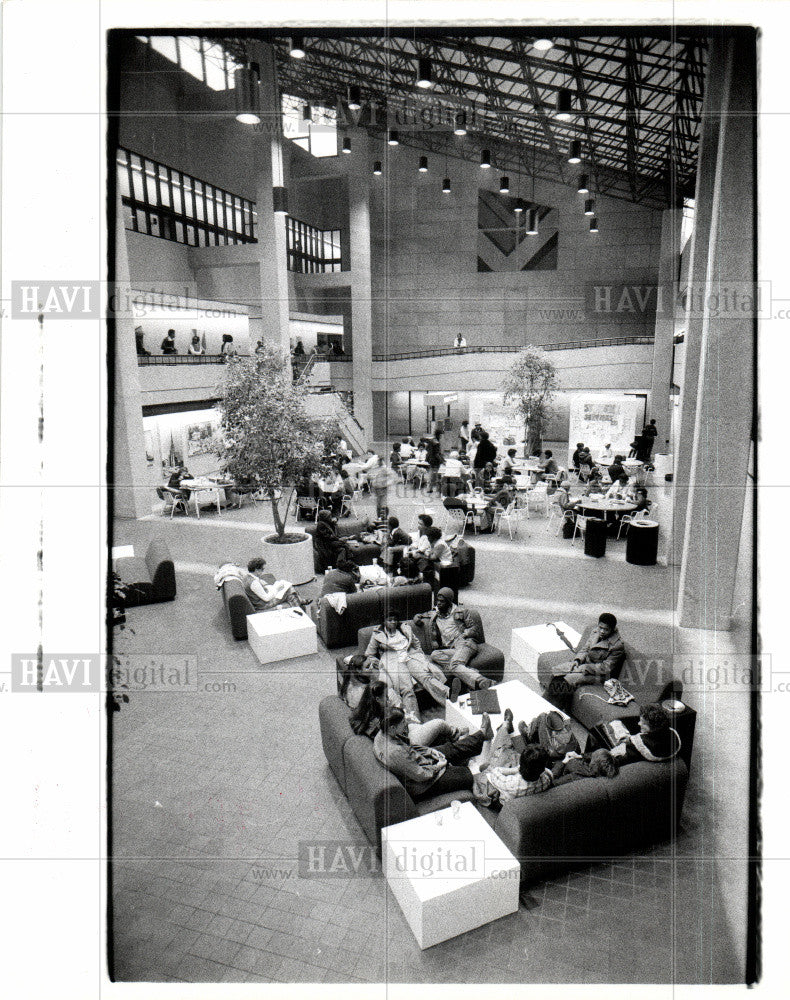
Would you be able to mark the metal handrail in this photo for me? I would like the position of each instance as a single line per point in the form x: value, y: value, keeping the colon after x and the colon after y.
x: 440, y: 352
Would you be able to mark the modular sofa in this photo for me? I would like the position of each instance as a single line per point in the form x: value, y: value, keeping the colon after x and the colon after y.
x: 572, y: 824
x: 369, y: 608
x: 647, y: 678
x: 149, y: 580
x: 363, y: 556
x: 237, y: 606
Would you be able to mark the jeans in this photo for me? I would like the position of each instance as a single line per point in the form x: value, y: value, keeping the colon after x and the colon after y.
x: 425, y: 734
x: 457, y: 776
x: 454, y: 661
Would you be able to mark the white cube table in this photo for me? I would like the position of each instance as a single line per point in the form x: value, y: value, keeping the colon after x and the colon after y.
x: 281, y: 634
x: 449, y: 875
x: 522, y: 701
x: 527, y: 645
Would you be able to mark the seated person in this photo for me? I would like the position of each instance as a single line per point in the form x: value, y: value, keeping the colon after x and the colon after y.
x: 619, y: 488
x: 454, y: 635
x: 607, y: 454
x: 643, y: 505
x: 575, y: 457
x: 402, y: 663
x: 396, y: 459
x: 328, y: 544
x: 600, y: 658
x: 505, y: 773
x: 586, y: 465
x: 548, y: 467
x: 427, y: 771
x: 377, y: 698
x: 553, y: 732
x: 509, y: 461
x: 656, y: 740
x: 453, y: 466
x: 418, y: 549
x: 174, y: 482
x: 406, y: 449
x: 433, y: 554
x: 343, y: 579
x: 330, y: 485
x: 502, y: 499
x: 395, y: 543
x: 616, y: 469
x: 195, y: 346
x: 263, y: 591
x: 574, y: 766
x: 562, y: 498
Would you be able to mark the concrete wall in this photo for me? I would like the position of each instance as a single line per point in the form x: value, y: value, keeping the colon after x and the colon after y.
x: 426, y: 286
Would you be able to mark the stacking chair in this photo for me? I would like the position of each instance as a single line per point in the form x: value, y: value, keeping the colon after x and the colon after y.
x: 640, y: 515
x: 580, y: 525
x: 513, y: 516
x: 539, y: 496
x: 172, y: 497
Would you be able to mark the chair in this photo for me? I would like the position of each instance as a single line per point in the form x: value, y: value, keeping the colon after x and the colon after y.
x: 456, y: 518
x: 580, y: 525
x: 469, y: 518
x: 556, y: 510
x: 513, y: 516
x: 539, y: 496
x: 639, y: 515
x: 168, y: 494
x: 308, y: 506
x: 584, y: 473
x: 347, y: 503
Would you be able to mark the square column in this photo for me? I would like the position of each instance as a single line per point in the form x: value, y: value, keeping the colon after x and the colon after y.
x: 661, y: 379
x: 361, y: 295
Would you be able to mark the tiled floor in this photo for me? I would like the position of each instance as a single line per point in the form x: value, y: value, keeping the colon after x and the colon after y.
x: 214, y: 790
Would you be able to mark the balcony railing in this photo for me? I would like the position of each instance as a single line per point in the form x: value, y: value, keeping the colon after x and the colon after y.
x: 441, y: 352
x: 218, y: 359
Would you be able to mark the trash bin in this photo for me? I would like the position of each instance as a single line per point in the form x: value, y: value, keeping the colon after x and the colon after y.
x: 595, y: 537
x: 641, y: 547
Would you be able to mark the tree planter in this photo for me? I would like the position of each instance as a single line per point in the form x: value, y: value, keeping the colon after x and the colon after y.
x: 292, y: 561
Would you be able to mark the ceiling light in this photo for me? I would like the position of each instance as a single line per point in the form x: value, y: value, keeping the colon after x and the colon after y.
x: 246, y: 93
x: 485, y: 159
x: 354, y: 97
x: 346, y: 144
x: 583, y: 186
x: 542, y: 44
x: 392, y: 137
x: 519, y: 206
x: 532, y: 225
x: 307, y: 113
x: 460, y: 123
x: 446, y: 185
x: 296, y: 50
x: 377, y: 168
x: 593, y: 225
x: 423, y: 167
x: 589, y: 207
x: 504, y: 185
x: 280, y: 200
x: 424, y: 74
x: 575, y: 151
x: 564, y: 106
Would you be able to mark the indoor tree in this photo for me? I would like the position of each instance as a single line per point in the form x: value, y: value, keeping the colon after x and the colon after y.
x: 529, y: 389
x: 267, y: 438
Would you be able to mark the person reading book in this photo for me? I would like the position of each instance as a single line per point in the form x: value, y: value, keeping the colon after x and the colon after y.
x: 656, y: 740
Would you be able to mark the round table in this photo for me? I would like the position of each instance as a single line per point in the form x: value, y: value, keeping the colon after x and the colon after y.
x: 604, y: 506
x: 641, y: 546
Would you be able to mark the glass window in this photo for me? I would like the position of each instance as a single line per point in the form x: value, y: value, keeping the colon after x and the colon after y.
x: 165, y: 44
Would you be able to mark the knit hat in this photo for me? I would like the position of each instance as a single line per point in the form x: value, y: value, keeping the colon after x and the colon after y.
x: 447, y: 594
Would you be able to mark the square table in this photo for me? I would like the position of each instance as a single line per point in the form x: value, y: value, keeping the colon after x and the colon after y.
x: 523, y: 702
x: 449, y: 873
x: 122, y: 552
x: 281, y: 634
x: 528, y: 645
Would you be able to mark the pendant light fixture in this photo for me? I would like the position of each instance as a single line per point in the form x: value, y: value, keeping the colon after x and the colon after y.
x: 307, y: 113
x: 280, y: 200
x: 446, y: 181
x: 589, y: 207
x: 518, y: 208
x: 354, y: 97
x: 542, y: 44
x: 392, y: 137
x: 532, y: 224
x: 504, y: 184
x: 593, y: 225
x: 575, y: 151
x: 583, y: 186
x: 423, y: 167
x: 296, y: 50
x: 247, y: 94
x: 485, y: 159
x: 564, y: 106
x: 460, y: 123
x: 346, y: 144
x: 377, y: 168
x: 424, y: 73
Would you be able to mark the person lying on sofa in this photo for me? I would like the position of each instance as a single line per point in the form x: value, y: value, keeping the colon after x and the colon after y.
x: 454, y: 634
x: 575, y: 766
x: 656, y: 740
x: 553, y: 732
x: 593, y: 663
x: 263, y: 591
x: 402, y: 663
x: 378, y: 698
x: 428, y: 771
x: 507, y: 773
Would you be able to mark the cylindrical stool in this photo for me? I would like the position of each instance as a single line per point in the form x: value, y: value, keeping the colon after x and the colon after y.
x: 595, y: 537
x: 641, y: 547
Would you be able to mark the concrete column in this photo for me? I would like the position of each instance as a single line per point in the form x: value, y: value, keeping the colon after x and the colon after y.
x: 131, y: 492
x: 717, y: 450
x: 660, y: 402
x: 361, y: 296
x: 271, y: 169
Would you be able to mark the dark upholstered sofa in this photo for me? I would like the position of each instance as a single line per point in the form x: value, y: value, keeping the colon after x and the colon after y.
x: 151, y: 579
x: 572, y: 824
x: 647, y: 678
x: 363, y: 556
x: 368, y: 608
x: 238, y: 606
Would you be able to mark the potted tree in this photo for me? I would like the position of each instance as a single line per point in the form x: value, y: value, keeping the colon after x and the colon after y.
x: 529, y: 389
x: 267, y: 439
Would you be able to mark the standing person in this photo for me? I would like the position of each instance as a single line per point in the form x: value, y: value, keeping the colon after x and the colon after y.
x: 195, y: 347
x: 227, y: 350
x: 434, y: 459
x: 379, y: 479
x: 649, y: 435
x: 486, y: 452
x: 169, y: 343
x: 463, y: 436
x: 477, y: 431
x: 299, y: 349
x: 138, y: 340
x: 459, y: 342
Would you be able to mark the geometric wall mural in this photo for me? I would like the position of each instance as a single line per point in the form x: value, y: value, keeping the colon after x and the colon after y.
x: 502, y: 240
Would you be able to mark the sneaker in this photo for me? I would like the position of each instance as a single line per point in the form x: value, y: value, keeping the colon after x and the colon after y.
x: 485, y: 682
x: 455, y: 689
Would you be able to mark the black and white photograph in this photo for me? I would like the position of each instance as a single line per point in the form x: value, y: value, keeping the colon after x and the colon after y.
x: 424, y: 448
